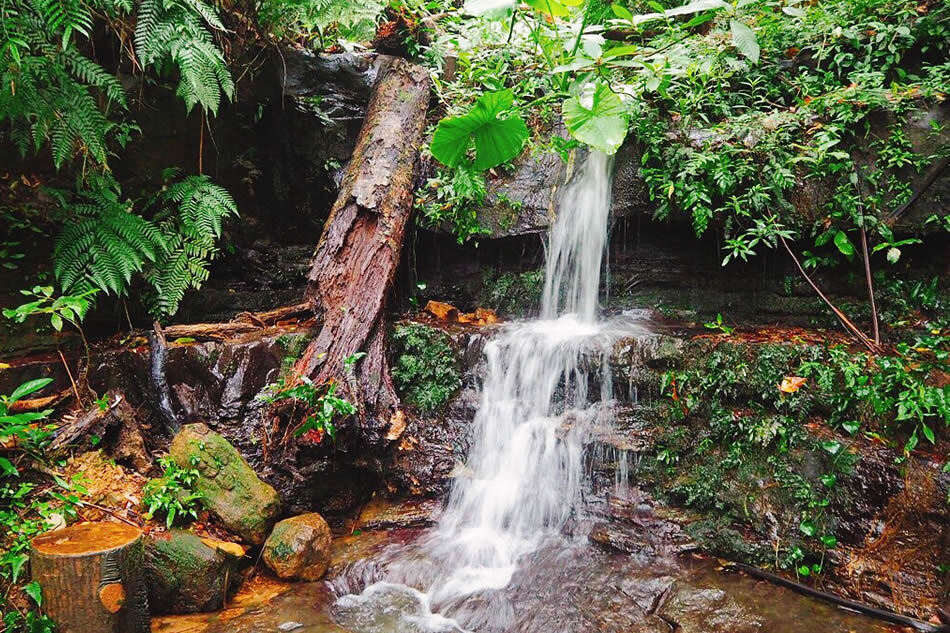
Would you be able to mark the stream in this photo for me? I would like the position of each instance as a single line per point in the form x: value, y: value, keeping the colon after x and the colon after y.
x: 510, y: 553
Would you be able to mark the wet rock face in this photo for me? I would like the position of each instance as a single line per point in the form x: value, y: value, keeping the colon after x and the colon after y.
x: 184, y: 574
x: 524, y: 201
x: 229, y: 487
x: 299, y: 548
x: 217, y: 383
x: 741, y: 500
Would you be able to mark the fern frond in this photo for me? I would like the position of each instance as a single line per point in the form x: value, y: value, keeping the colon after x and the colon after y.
x: 194, y: 209
x: 104, y: 245
x: 174, y: 31
x: 92, y: 74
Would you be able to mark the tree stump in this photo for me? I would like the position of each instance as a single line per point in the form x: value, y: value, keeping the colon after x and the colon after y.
x: 91, y: 576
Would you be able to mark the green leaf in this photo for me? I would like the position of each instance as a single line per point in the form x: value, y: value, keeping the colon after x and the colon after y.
x: 9, y: 470
x: 808, y: 528
x: 555, y: 8
x: 56, y: 321
x: 27, y: 388
x: 844, y: 244
x: 851, y: 426
x: 496, y: 139
x: 34, y: 591
x: 828, y: 480
x: 804, y: 570
x: 828, y: 541
x: 928, y: 433
x: 911, y: 443
x: 743, y: 38
x: 16, y: 565
x: 620, y: 51
x: 831, y: 447
x: 621, y: 12
x: 596, y: 117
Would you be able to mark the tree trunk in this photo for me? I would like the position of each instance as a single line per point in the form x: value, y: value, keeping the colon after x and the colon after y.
x: 354, y: 264
x: 91, y: 576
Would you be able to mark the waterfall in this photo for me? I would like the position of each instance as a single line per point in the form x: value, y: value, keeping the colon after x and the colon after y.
x: 524, y: 475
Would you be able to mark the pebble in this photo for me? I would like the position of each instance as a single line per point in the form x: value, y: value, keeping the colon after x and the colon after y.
x: 289, y: 626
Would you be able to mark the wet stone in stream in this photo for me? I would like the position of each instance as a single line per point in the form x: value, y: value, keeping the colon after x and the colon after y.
x: 563, y: 587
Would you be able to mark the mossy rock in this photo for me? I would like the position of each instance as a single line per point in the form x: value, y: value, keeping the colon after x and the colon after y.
x: 230, y: 488
x: 186, y: 575
x: 299, y: 548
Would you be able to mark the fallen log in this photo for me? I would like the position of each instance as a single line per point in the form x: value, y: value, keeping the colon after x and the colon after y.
x: 243, y: 323
x: 355, y: 261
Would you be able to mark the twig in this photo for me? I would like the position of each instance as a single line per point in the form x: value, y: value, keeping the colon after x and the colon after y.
x: 876, y: 330
x: 855, y: 331
x: 930, y: 179
x: 96, y: 506
x: 70, y: 374
x: 867, y: 610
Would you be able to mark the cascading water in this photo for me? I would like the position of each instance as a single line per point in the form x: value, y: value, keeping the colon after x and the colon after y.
x: 524, y: 475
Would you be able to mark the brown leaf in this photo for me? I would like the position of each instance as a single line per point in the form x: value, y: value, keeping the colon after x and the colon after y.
x: 442, y: 311
x: 791, y: 384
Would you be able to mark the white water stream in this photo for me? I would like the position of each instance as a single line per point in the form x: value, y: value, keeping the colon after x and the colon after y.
x: 524, y: 475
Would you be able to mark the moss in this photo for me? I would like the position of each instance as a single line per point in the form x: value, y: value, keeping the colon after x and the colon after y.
x: 229, y: 487
x: 426, y: 368
x: 716, y: 536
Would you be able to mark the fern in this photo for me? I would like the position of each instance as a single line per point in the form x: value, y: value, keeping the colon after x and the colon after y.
x: 104, y: 244
x: 176, y: 31
x: 49, y: 91
x: 351, y: 20
x: 191, y: 222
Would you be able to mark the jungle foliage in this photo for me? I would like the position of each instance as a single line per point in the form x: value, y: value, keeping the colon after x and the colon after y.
x: 56, y: 99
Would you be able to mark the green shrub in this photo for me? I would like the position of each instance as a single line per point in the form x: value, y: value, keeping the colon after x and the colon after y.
x: 426, y: 369
x: 172, y: 493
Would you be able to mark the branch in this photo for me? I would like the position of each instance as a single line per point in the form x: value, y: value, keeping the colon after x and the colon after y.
x: 855, y: 331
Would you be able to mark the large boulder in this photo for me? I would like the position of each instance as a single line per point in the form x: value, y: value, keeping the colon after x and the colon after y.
x: 187, y: 574
x: 229, y: 487
x: 299, y: 547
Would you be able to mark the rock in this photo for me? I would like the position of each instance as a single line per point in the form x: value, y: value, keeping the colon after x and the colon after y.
x: 230, y: 488
x: 524, y: 201
x: 698, y: 609
x: 381, y: 514
x: 186, y: 575
x: 299, y: 547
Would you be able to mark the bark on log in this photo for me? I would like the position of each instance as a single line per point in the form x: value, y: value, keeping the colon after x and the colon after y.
x: 355, y: 261
x: 91, y: 576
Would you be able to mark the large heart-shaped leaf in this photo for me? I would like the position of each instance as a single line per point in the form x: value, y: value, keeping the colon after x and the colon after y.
x: 496, y: 139
x: 596, y: 117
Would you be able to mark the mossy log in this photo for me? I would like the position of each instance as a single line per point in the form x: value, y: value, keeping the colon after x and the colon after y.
x: 357, y: 256
x: 91, y: 576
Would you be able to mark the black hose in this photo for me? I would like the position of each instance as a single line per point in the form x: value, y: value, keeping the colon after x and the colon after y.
x: 161, y: 395
x: 880, y: 614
